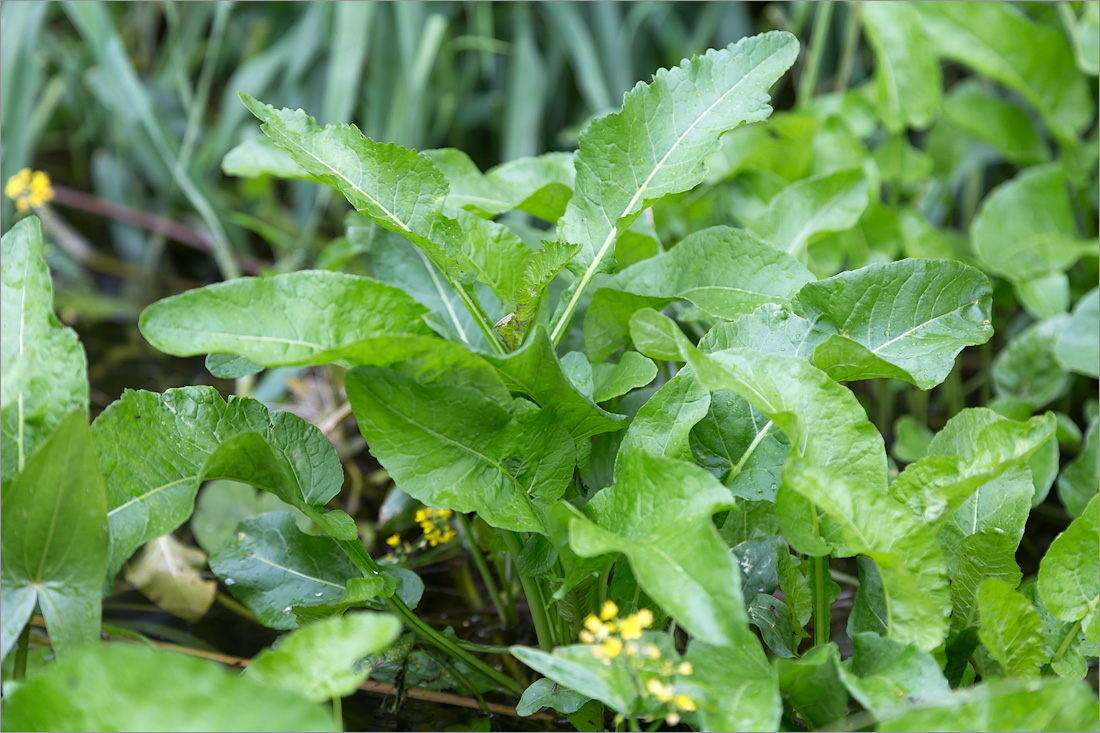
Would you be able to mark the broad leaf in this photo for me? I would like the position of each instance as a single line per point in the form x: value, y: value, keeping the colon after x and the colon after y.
x: 540, y: 186
x: 724, y: 272
x: 54, y: 539
x: 545, y: 693
x: 1080, y: 480
x: 744, y: 449
x: 155, y: 450
x: 258, y: 157
x: 1078, y: 347
x: 1068, y: 579
x: 613, y: 380
x: 450, y: 446
x: 663, y: 423
x: 318, y: 661
x: 975, y: 447
x: 286, y: 319
x: 108, y: 688
x: 683, y: 565
x: 541, y: 268
x: 722, y: 674
x: 995, y: 120
x: 988, y: 553
x: 1016, y: 705
x: 1064, y: 643
x: 832, y: 202
x: 1029, y: 369
x: 1003, y: 503
x: 43, y: 363
x: 883, y: 672
x: 222, y: 504
x: 908, y: 84
x: 1002, y: 43
x: 812, y: 684
x: 273, y: 568
x: 1010, y: 629
x: 1025, y: 227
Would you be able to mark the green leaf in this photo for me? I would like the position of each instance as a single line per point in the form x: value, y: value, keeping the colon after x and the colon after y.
x: 724, y: 673
x: 1064, y: 643
x: 222, y: 504
x: 108, y: 688
x: 283, y: 320
x: 1016, y: 705
x: 318, y: 661
x: 1077, y: 347
x: 1028, y: 368
x: 613, y: 380
x: 1010, y: 629
x: 832, y: 202
x: 740, y: 446
x: 450, y: 446
x: 663, y: 423
x: 43, y: 363
x: 1083, y: 32
x: 975, y: 447
x: 577, y: 668
x: 258, y: 157
x: 272, y: 567
x: 542, y: 267
x: 911, y: 439
x: 657, y: 144
x: 724, y: 272
x: 1003, y: 503
x: 155, y: 450
x: 683, y: 565
x: 869, y: 612
x: 55, y: 540
x: 995, y: 120
x: 988, y: 553
x: 230, y: 366
x: 1025, y: 227
x: 1079, y: 482
x: 1068, y: 580
x: 813, y: 686
x: 908, y: 83
x: 776, y: 624
x: 1002, y: 43
x: 540, y: 186
x: 545, y: 693
x: 882, y: 673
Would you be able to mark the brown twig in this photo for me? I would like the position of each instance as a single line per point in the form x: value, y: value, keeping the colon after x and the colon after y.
x: 152, y: 222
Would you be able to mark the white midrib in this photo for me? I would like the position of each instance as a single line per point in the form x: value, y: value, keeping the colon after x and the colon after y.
x: 590, y: 272
x: 919, y: 326
x: 20, y: 419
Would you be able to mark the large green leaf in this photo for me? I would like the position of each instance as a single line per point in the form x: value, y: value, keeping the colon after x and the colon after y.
x: 744, y: 449
x: 1080, y: 480
x: 1025, y: 228
x: 1068, y: 578
x: 286, y: 319
x: 1078, y: 346
x: 318, y: 662
x: 723, y: 674
x: 907, y: 319
x: 43, y: 364
x: 1064, y: 643
x: 1007, y: 705
x: 812, y: 684
x: 996, y: 120
x: 1010, y: 629
x: 658, y: 143
x: 544, y: 692
x: 683, y: 565
x: 975, y: 447
x: 831, y: 202
x: 54, y: 539
x: 449, y: 445
x: 156, y: 449
x: 664, y: 422
x: 110, y: 688
x: 1003, y: 503
x: 908, y: 83
x: 882, y: 672
x: 999, y: 41
x: 724, y: 272
x: 275, y: 569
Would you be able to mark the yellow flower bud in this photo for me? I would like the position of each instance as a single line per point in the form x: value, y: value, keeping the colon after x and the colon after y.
x: 684, y: 702
x: 608, y: 611
x: 613, y: 646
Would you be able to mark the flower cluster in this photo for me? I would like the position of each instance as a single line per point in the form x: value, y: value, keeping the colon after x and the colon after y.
x: 611, y: 636
x: 29, y: 189
x: 435, y: 534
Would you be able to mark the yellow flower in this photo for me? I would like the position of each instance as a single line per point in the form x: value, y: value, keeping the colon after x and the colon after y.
x: 659, y: 690
x: 587, y: 637
x: 29, y: 189
x: 645, y: 618
x: 597, y: 627
x: 608, y: 611
x: 652, y: 651
x: 393, y: 540
x: 631, y: 627
x: 684, y: 702
x: 612, y: 647
x: 685, y: 668
x: 421, y: 516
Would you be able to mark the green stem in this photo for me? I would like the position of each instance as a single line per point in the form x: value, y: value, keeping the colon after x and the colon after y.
x: 481, y: 318
x: 482, y: 567
x: 533, y: 593
x: 808, y: 83
x: 821, y: 603
x: 884, y: 399
x: 633, y: 724
x: 354, y: 549
x: 21, y: 653
x: 851, y: 45
x: 338, y: 712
